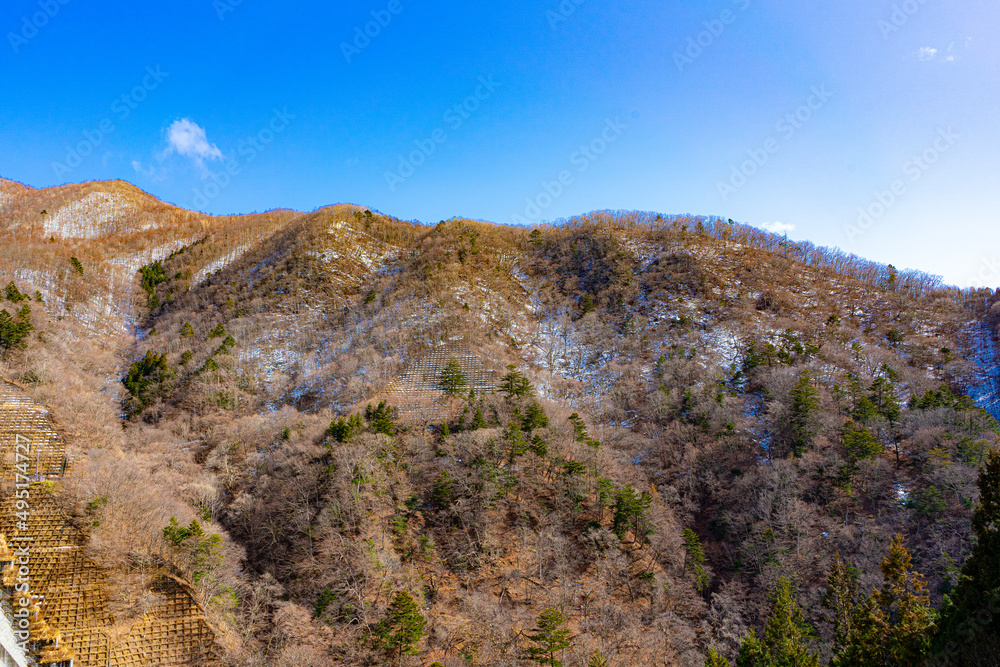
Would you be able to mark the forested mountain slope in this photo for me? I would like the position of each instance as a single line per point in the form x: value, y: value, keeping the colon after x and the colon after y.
x: 632, y: 427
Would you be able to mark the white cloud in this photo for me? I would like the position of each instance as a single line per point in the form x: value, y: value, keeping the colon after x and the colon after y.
x: 778, y: 227
x: 927, y: 53
x: 187, y: 138
x: 951, y: 57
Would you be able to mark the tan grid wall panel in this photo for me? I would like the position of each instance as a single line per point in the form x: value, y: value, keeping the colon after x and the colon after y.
x: 71, y: 586
x: 417, y: 390
x: 20, y: 415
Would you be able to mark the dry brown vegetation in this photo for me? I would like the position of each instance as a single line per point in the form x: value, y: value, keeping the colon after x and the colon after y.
x: 683, y: 344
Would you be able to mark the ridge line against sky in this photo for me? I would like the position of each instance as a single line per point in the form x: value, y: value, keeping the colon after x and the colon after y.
x: 865, y: 125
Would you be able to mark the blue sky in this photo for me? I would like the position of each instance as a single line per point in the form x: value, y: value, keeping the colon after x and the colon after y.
x: 862, y: 124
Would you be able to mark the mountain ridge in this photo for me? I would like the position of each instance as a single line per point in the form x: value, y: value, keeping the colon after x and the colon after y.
x: 639, y: 381
x: 772, y: 239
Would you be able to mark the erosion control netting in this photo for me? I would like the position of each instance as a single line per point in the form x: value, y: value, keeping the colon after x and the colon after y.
x: 24, y: 421
x: 417, y: 391
x: 70, y: 612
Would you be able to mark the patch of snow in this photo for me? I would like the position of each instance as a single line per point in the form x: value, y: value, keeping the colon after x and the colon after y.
x: 985, y: 389
x: 222, y: 262
x: 726, y: 344
x: 131, y: 263
x: 94, y: 216
x: 902, y: 493
x: 358, y: 247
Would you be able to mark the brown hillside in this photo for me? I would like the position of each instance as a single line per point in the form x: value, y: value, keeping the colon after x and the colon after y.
x: 649, y: 422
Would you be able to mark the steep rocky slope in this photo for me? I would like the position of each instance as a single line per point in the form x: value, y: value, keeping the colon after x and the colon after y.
x: 110, y: 229
x: 695, y: 382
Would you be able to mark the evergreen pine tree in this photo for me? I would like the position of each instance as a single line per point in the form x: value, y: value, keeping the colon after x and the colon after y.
x: 906, y: 605
x: 13, y: 332
x: 785, y: 636
x: 401, y: 629
x: 892, y: 626
x: 343, y: 429
x: 597, y: 659
x: 534, y: 417
x: 515, y: 443
x: 805, y: 402
x: 452, y: 380
x: 515, y: 383
x: 841, y: 592
x: 382, y: 418
x: 971, y: 623
x: 549, y: 637
x: 144, y: 374
x: 630, y: 513
x: 882, y: 394
x: 442, y: 493
x: 752, y: 653
x: 713, y: 659
x: 695, y: 559
x: 859, y: 443
x: 12, y: 294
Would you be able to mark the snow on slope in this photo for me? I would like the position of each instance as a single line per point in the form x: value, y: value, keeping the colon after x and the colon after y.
x: 91, y: 217
x: 222, y: 262
x: 986, y: 390
x: 9, y: 191
x: 348, y: 243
